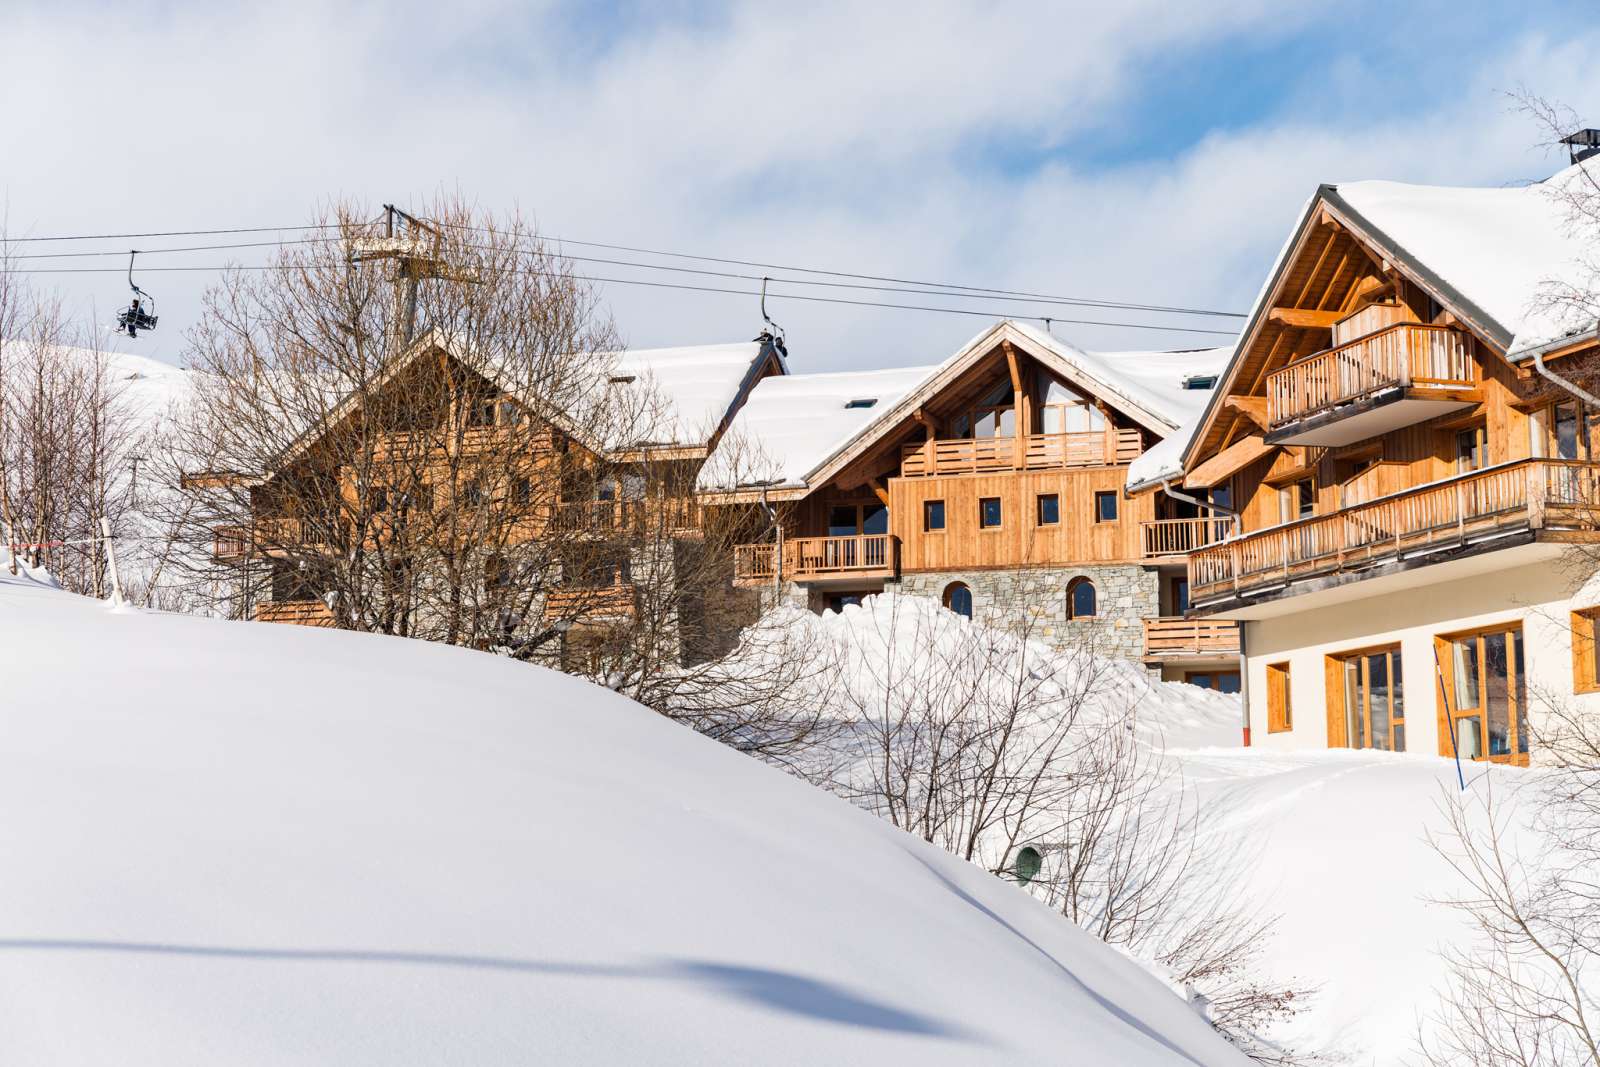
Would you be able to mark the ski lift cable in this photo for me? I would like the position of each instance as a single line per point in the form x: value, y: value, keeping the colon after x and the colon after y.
x: 973, y: 295
x: 639, y: 250
x: 990, y: 314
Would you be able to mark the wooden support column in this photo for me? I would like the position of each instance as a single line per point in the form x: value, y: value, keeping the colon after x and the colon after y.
x: 1110, y: 432
x: 1019, y: 458
x: 932, y: 427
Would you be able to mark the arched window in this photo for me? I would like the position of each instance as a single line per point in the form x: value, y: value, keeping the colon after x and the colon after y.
x: 958, y: 598
x: 1081, y: 599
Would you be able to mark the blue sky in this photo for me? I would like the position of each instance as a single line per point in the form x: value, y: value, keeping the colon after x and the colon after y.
x: 1142, y: 152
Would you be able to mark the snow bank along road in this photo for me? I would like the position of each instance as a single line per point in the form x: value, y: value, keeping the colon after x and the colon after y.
x: 250, y: 844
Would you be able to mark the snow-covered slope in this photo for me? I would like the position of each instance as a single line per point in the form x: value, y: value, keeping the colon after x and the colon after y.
x: 251, y: 844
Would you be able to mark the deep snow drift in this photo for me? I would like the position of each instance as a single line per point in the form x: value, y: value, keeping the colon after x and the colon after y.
x: 243, y: 843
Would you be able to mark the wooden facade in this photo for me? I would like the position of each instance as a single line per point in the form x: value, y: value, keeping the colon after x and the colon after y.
x: 1368, y: 426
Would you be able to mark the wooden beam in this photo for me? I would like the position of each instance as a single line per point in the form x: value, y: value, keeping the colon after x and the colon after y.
x: 1253, y: 408
x: 1219, y: 467
x: 1019, y: 448
x: 1303, y: 318
x: 879, y: 491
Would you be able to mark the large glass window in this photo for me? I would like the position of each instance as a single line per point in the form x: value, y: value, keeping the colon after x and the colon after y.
x: 1061, y: 410
x: 1374, y: 700
x: 874, y: 519
x: 842, y: 520
x: 1487, y: 695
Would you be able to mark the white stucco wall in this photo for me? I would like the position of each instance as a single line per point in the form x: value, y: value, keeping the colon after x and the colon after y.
x: 1540, y: 595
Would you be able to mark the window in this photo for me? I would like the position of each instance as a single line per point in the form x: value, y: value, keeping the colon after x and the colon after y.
x: 847, y: 520
x: 1585, y: 651
x: 958, y: 598
x: 837, y: 602
x: 521, y: 492
x: 1371, y: 700
x: 1200, y: 381
x: 989, y: 513
x: 1105, y: 506
x: 1081, y: 599
x: 481, y: 412
x: 1486, y: 695
x: 933, y: 515
x: 472, y: 493
x: 1061, y: 410
x: 1566, y: 431
x: 1216, y: 681
x: 1049, y: 509
x: 861, y: 402
x: 508, y: 413
x: 1280, y: 711
x: 1297, y: 501
x: 1471, y: 449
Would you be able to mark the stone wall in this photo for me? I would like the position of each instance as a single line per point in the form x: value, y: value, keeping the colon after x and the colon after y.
x: 1034, y: 600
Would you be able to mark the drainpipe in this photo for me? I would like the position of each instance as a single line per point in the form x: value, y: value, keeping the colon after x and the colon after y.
x: 1565, y: 383
x: 1166, y: 487
x: 1244, y: 664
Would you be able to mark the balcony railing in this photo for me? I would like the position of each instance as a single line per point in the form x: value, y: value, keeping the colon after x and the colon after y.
x: 1406, y: 355
x: 616, y: 516
x: 1179, y: 537
x: 1525, y: 494
x: 605, y: 602
x: 269, y: 536
x: 811, y: 558
x: 1178, y: 636
x: 296, y: 613
x: 1044, y: 451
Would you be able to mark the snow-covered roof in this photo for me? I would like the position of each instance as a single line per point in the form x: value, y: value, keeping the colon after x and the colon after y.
x: 792, y: 423
x: 1494, y: 248
x: 1154, y: 380
x: 697, y: 386
x: 1164, y: 459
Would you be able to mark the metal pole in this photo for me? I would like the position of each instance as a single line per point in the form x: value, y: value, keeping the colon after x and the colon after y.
x: 111, y: 560
x: 1449, y: 719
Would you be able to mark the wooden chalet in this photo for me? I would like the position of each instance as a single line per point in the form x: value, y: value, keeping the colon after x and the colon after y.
x: 1405, y: 476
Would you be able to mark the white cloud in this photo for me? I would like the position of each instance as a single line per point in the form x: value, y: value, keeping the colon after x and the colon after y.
x: 845, y: 136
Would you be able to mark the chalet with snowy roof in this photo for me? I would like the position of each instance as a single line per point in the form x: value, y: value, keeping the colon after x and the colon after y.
x: 446, y: 449
x: 992, y: 482
x: 1407, y: 441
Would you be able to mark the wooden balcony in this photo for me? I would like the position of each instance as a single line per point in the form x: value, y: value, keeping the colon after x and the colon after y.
x: 1179, y: 537
x: 268, y: 537
x: 296, y: 613
x: 1177, y: 637
x: 1475, y: 509
x: 1400, y: 375
x: 818, y: 558
x: 1045, y: 451
x: 577, y: 603
x: 230, y: 544
x: 603, y: 517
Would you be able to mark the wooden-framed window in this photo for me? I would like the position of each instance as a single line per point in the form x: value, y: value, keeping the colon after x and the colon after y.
x: 933, y: 515
x: 1047, y: 509
x: 1366, y: 700
x: 1063, y: 410
x: 1105, y: 506
x: 958, y: 598
x: 1280, y: 712
x: 995, y: 415
x: 1585, y: 651
x: 1216, y: 681
x: 1472, y: 449
x: 1082, y: 601
x: 1297, y: 500
x: 847, y: 520
x: 989, y: 513
x: 1484, y: 706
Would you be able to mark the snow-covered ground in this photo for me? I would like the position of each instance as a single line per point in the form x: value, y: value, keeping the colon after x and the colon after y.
x: 251, y: 844
x: 1332, y: 842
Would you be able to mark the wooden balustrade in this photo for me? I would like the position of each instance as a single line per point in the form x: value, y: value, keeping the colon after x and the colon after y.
x: 1178, y: 636
x: 1178, y: 537
x: 1406, y: 355
x: 1531, y: 493
x: 602, y: 602
x: 613, y: 516
x: 229, y: 544
x: 1044, y: 451
x: 810, y: 558
x: 296, y: 613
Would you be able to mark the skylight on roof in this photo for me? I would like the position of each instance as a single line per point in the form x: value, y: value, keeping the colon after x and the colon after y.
x: 861, y: 402
x: 1200, y: 381
x: 622, y: 379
